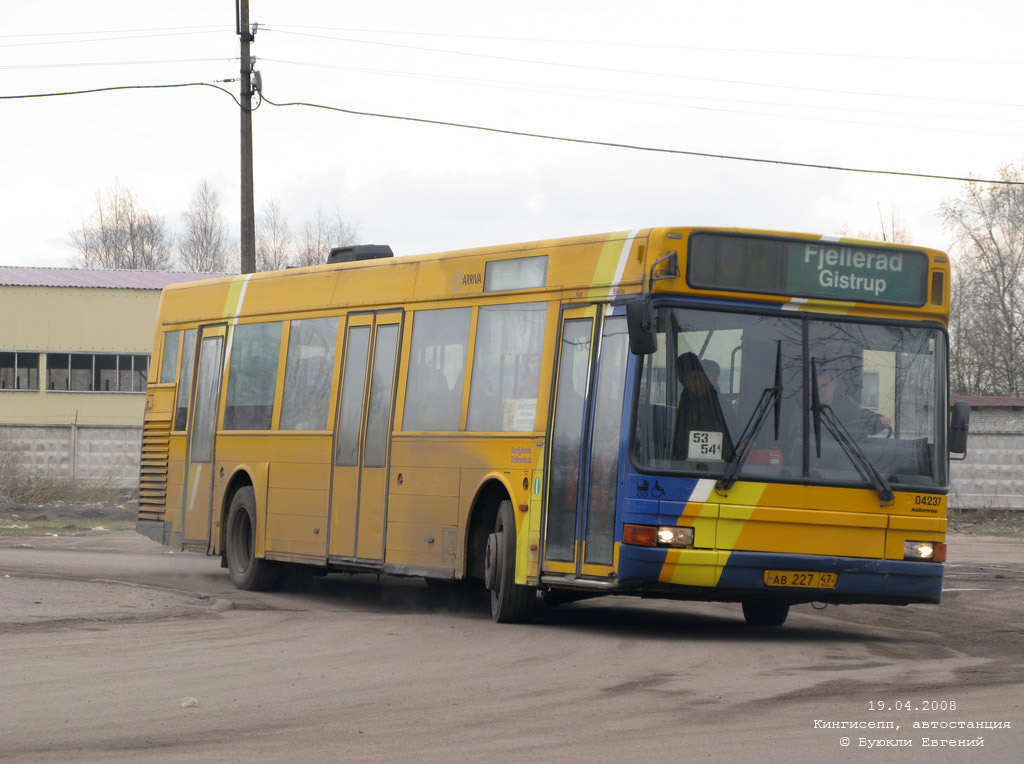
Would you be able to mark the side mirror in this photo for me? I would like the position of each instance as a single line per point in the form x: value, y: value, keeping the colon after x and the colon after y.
x: 959, y: 418
x: 640, y: 322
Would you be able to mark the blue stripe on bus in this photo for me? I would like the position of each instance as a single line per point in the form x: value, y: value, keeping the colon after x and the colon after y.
x: 874, y: 580
x: 896, y: 579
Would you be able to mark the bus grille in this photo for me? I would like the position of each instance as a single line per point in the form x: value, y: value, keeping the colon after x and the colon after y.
x: 153, y: 469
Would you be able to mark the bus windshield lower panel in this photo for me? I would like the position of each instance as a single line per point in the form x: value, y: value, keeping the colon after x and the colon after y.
x: 714, y: 373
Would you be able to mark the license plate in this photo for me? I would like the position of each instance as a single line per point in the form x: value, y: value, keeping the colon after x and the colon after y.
x: 803, y: 579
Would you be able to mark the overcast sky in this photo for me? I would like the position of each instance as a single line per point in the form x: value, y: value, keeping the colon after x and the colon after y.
x: 924, y: 87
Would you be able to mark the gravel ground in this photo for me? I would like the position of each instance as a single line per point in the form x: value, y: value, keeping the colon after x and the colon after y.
x: 28, y: 604
x: 43, y: 602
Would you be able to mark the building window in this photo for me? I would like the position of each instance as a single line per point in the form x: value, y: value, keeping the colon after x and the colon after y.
x: 133, y: 371
x: 105, y: 376
x: 57, y: 371
x: 97, y: 372
x: 82, y: 367
x: 19, y: 371
x: 870, y: 391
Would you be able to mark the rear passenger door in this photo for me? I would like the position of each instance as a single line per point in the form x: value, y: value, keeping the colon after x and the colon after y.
x: 363, y: 437
x: 202, y: 431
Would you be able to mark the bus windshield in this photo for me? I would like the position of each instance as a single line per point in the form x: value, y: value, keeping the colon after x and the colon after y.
x: 727, y: 388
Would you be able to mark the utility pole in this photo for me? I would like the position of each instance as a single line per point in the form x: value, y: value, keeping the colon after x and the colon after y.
x: 247, y: 235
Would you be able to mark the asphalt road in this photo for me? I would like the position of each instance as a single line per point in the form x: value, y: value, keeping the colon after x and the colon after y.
x: 102, y: 638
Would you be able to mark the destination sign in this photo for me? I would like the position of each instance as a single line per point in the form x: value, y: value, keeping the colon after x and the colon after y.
x: 808, y: 268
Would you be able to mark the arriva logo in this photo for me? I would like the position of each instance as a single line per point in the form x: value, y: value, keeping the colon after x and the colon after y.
x: 460, y: 279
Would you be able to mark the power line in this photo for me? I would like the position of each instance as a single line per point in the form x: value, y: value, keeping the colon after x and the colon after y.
x: 563, y: 139
x: 104, y: 39
x: 609, y: 95
x: 634, y: 147
x: 220, y: 27
x: 653, y: 46
x: 644, y: 73
x: 126, y: 87
x: 80, y: 64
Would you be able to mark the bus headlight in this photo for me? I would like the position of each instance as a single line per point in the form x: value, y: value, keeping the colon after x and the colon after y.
x: 672, y: 536
x: 651, y: 535
x: 928, y: 551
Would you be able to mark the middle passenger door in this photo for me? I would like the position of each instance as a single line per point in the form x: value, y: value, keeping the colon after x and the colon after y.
x: 586, y: 438
x: 363, y: 437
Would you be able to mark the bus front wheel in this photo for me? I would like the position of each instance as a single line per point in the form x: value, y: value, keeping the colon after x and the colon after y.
x: 510, y: 602
x: 765, y: 613
x: 248, y: 572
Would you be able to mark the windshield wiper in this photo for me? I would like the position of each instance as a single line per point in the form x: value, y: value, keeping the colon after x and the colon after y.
x: 823, y: 413
x: 771, y: 399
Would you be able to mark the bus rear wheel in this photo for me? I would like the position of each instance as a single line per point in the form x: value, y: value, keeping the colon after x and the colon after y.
x: 510, y: 602
x: 248, y: 572
x: 765, y: 613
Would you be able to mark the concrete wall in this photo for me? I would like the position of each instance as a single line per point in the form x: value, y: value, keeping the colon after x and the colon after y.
x: 992, y: 476
x: 107, y: 454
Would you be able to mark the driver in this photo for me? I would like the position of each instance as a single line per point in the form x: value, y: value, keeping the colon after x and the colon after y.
x: 861, y: 421
x: 699, y: 408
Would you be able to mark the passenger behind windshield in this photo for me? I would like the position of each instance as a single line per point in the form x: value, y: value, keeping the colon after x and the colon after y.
x: 860, y: 421
x: 702, y: 430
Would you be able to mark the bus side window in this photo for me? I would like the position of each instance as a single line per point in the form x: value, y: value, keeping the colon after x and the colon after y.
x: 503, y: 391
x: 252, y: 376
x: 437, y: 369
x: 308, y: 374
x: 185, y: 380
x: 169, y: 361
x: 357, y: 348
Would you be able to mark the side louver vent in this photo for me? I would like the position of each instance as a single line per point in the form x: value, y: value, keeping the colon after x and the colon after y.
x: 153, y: 469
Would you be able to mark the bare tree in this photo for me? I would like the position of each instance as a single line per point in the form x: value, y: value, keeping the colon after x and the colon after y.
x: 204, y: 242
x: 891, y: 228
x: 273, y: 238
x: 987, y: 327
x: 120, y: 234
x: 322, y: 232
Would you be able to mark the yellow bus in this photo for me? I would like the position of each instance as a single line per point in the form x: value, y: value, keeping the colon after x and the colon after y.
x: 709, y: 414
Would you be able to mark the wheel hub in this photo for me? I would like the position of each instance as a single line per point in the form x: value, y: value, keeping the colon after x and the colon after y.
x: 491, y: 562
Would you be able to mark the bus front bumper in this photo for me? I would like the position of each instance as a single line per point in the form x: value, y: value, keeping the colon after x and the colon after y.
x: 736, y: 576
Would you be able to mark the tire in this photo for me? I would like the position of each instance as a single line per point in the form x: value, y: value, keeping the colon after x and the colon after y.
x: 510, y: 602
x: 247, y: 571
x: 765, y: 613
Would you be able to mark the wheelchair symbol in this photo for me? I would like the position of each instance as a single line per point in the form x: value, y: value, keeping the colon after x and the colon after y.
x: 644, y: 490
